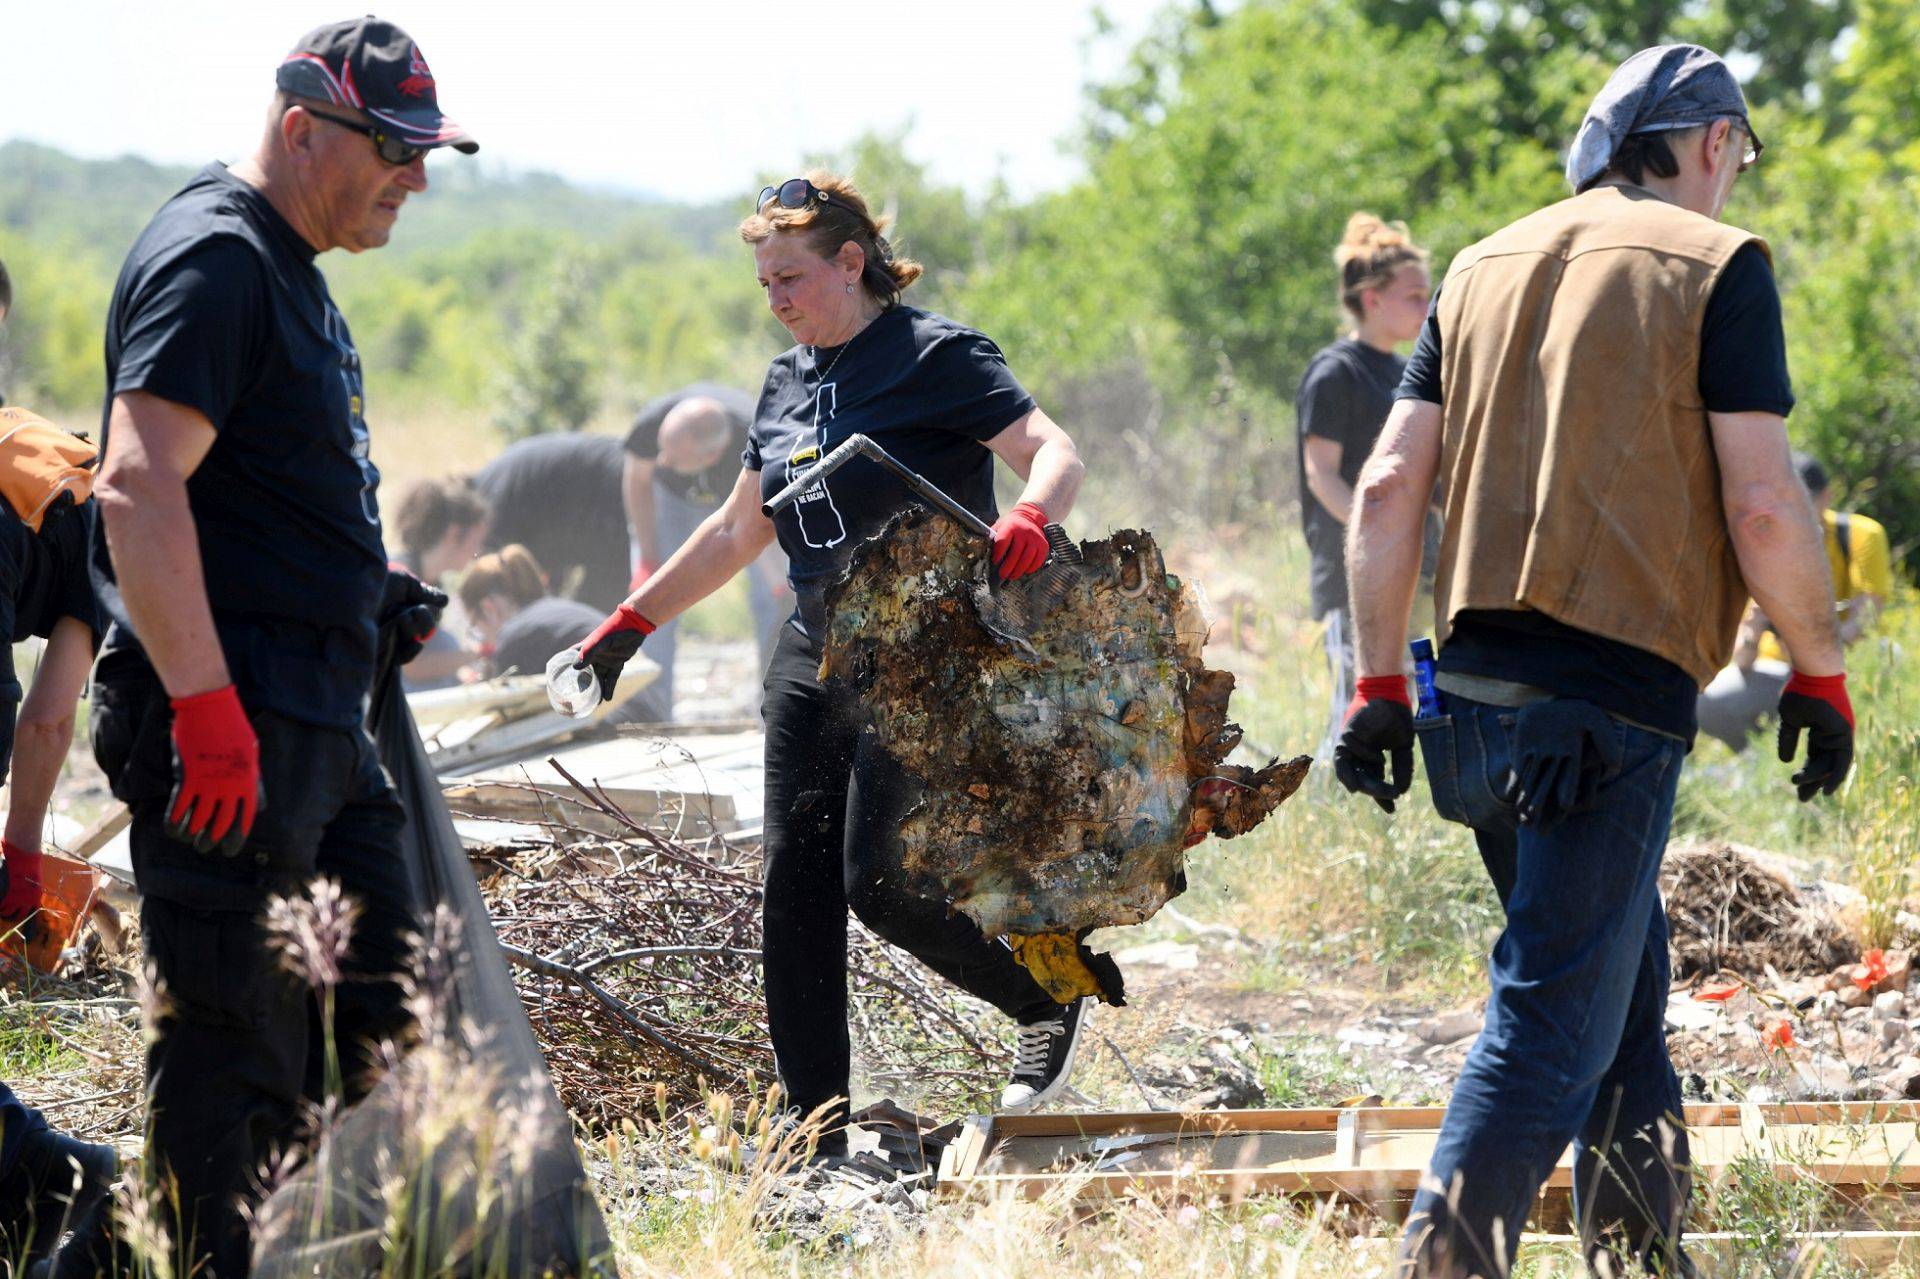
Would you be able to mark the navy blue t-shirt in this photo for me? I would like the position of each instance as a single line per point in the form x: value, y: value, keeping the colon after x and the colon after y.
x: 927, y: 390
x: 220, y: 308
x: 1743, y: 369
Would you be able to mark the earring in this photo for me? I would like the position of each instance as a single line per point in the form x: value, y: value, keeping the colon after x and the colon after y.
x: 849, y: 286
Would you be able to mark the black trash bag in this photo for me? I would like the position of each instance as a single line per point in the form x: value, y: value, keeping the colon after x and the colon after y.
x: 465, y: 1139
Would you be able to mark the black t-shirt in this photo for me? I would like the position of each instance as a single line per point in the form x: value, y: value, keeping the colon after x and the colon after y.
x: 703, y: 488
x: 1743, y: 345
x: 1743, y: 369
x: 558, y: 495
x: 220, y: 308
x: 1344, y: 397
x: 530, y: 638
x: 927, y: 390
x: 43, y: 577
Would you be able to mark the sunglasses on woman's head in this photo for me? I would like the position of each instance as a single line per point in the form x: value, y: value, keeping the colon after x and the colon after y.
x: 792, y: 194
x: 391, y: 149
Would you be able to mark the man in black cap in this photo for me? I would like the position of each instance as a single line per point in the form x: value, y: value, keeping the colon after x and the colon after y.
x: 1610, y: 416
x: 246, y: 584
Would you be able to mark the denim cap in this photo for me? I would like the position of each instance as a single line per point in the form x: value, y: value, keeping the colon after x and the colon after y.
x: 1670, y: 86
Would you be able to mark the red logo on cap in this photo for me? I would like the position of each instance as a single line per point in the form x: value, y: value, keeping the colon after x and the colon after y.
x: 420, y: 83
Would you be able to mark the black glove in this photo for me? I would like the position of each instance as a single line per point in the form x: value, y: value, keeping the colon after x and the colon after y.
x: 1563, y: 751
x: 411, y: 609
x: 612, y: 645
x: 1378, y: 728
x: 1818, y: 704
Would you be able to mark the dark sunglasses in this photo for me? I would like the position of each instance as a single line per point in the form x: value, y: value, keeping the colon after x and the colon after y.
x: 1751, y: 156
x: 391, y: 149
x: 792, y: 194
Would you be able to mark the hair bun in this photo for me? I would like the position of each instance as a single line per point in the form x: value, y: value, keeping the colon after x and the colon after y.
x: 1369, y: 233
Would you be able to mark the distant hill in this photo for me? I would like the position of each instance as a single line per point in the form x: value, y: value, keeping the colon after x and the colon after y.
x: 100, y: 205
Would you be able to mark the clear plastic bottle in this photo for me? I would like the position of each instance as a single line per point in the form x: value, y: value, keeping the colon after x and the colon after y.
x: 572, y: 690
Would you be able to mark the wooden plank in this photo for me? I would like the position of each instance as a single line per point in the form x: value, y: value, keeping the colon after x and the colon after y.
x: 1371, y: 1152
x: 101, y: 832
x: 1719, y: 1250
x: 703, y: 815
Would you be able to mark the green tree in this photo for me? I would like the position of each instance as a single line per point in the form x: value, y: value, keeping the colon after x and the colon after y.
x: 1786, y: 44
x: 551, y: 380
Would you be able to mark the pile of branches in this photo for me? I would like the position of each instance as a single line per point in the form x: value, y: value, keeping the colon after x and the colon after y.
x: 1727, y: 912
x: 638, y: 959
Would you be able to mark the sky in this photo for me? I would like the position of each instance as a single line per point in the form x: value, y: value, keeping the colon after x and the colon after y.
x: 691, y: 101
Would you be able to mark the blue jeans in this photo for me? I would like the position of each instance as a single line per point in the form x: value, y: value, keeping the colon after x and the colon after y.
x: 1574, y: 1047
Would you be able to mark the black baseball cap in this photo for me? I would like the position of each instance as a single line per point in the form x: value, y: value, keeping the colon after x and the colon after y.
x: 375, y: 67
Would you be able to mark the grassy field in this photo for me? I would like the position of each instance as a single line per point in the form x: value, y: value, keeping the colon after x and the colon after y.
x: 1330, y: 891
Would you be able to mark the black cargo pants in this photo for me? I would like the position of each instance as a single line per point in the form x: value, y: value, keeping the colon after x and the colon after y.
x: 241, y: 1047
x: 834, y: 803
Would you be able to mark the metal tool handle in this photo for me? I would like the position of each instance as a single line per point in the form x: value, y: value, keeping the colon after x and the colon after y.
x: 859, y: 444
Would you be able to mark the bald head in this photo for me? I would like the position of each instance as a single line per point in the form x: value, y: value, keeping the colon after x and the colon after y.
x: 694, y: 434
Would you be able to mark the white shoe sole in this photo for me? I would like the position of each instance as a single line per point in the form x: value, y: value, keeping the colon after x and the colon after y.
x: 1016, y: 1106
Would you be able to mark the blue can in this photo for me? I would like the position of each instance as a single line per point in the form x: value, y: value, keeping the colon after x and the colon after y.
x: 1423, y: 666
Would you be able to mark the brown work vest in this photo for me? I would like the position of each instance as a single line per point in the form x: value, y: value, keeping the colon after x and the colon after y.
x: 1580, y: 475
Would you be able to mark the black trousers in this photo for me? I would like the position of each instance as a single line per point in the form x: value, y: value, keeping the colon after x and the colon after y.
x: 834, y: 801
x: 239, y: 1053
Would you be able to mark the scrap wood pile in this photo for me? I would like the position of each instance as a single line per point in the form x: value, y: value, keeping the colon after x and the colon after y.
x: 1729, y: 911
x: 638, y: 959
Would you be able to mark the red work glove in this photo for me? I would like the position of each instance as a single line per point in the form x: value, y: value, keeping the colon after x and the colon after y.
x: 612, y: 645
x: 1020, y: 541
x: 20, y: 873
x: 216, y: 764
x: 1379, y: 727
x: 1818, y: 704
x: 641, y: 572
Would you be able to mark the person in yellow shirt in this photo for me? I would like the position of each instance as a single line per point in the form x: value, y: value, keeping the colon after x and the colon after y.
x: 1743, y: 696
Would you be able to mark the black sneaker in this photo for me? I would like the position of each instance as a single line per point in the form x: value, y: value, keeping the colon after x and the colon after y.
x: 1043, y: 1059
x: 830, y: 1140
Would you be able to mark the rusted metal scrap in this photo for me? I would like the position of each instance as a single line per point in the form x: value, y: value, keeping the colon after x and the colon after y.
x: 1071, y: 747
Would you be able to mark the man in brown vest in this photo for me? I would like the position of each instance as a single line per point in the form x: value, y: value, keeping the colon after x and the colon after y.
x: 1603, y: 386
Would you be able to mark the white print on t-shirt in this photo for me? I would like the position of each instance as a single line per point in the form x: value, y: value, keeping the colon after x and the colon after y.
x: 356, y: 409
x: 820, y: 524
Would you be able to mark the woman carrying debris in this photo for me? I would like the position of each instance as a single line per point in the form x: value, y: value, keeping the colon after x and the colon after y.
x: 941, y: 399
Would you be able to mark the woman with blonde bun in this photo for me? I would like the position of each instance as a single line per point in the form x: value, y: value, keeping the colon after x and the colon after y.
x: 515, y: 620
x: 1340, y: 407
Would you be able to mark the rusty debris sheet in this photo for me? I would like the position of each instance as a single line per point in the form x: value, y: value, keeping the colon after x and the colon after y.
x: 1069, y: 737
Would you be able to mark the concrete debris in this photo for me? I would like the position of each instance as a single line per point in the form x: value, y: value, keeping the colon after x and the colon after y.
x: 1175, y: 956
x: 1448, y: 1028
x: 1066, y: 773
